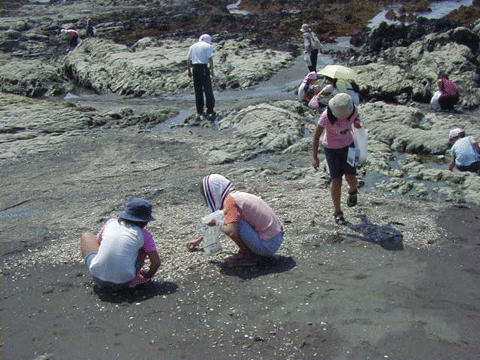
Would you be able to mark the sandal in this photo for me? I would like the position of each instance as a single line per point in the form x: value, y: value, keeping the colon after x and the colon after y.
x: 352, y: 198
x: 339, y: 219
x: 139, y: 280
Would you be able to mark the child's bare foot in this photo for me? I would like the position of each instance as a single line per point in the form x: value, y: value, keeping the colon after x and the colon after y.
x: 242, y: 258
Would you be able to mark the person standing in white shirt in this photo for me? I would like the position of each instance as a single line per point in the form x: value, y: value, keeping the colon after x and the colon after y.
x: 199, y: 59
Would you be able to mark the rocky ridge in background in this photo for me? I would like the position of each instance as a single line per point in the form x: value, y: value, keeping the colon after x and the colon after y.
x: 396, y: 81
x: 35, y: 61
x: 399, y: 63
x: 394, y: 74
x: 33, y: 53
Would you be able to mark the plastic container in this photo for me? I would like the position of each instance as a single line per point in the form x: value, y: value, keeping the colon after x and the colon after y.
x: 211, y: 234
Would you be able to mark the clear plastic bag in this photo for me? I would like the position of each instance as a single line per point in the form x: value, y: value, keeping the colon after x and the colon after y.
x: 307, y: 59
x: 313, y: 104
x: 360, y: 137
x: 434, y: 102
x: 211, y: 234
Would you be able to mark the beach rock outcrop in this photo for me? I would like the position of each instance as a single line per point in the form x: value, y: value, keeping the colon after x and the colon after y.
x: 392, y: 83
x: 153, y: 67
x: 260, y: 129
x: 405, y: 74
x: 400, y: 74
x: 399, y: 34
x: 33, y: 78
x: 407, y: 146
x: 31, y: 126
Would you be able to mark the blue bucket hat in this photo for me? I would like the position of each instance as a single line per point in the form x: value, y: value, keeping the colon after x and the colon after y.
x: 138, y: 210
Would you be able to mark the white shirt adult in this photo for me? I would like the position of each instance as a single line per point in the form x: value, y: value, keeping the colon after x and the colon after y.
x: 202, y: 51
x: 199, y: 55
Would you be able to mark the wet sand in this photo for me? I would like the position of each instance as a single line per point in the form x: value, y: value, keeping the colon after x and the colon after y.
x: 347, y: 300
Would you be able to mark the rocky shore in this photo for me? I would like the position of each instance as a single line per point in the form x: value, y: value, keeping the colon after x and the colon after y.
x: 82, y: 131
x: 396, y: 77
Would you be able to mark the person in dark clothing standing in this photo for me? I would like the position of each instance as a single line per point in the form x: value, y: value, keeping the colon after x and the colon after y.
x: 90, y: 29
x: 199, y: 59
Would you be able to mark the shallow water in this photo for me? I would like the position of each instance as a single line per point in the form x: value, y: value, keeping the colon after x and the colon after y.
x: 278, y: 87
x: 233, y: 8
x: 439, y: 10
x: 16, y: 214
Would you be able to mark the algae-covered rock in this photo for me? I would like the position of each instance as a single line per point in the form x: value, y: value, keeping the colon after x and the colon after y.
x: 31, y: 126
x: 34, y: 78
x: 407, y: 70
x: 259, y: 129
x: 159, y: 67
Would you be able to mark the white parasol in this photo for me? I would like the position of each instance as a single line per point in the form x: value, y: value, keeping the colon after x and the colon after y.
x: 338, y: 72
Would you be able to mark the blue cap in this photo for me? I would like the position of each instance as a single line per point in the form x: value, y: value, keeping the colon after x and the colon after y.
x: 138, y: 210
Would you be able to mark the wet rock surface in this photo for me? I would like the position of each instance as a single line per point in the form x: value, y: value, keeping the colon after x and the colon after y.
x: 158, y: 33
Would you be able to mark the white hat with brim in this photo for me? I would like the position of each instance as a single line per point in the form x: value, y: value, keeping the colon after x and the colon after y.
x: 305, y: 28
x: 341, y: 106
x: 455, y: 133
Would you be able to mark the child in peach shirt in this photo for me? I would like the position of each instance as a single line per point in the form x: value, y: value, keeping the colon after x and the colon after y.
x: 249, y: 221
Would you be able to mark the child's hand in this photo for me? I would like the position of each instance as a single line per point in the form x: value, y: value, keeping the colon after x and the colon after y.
x: 194, y: 244
x: 143, y: 272
x: 358, y: 124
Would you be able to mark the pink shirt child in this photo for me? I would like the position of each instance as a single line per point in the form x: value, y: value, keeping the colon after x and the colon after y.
x: 72, y: 33
x: 339, y: 134
x: 448, y: 88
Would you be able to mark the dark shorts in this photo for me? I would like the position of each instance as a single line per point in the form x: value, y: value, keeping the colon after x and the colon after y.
x: 473, y: 167
x: 337, y: 162
x: 447, y: 103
